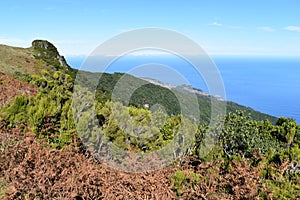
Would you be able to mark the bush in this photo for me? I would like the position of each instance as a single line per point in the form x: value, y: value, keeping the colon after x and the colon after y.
x: 49, y: 113
x: 181, y: 178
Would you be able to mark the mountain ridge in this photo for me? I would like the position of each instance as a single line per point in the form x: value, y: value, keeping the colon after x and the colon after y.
x: 45, y: 158
x: 44, y: 56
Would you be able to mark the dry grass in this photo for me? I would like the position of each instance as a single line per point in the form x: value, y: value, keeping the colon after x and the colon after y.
x: 15, y: 59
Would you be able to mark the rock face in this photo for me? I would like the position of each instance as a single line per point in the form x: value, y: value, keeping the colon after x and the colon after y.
x: 43, y: 44
x: 48, y: 52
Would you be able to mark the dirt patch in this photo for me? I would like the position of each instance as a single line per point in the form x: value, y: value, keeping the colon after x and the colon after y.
x: 10, y: 88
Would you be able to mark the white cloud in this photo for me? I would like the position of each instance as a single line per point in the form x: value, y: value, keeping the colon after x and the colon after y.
x: 215, y: 24
x: 292, y: 28
x: 266, y: 29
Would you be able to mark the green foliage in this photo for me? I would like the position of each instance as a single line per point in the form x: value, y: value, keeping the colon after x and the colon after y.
x: 181, y: 178
x: 171, y: 127
x: 17, y: 112
x: 152, y: 94
x: 285, y: 155
x: 244, y: 134
x: 49, y: 113
x: 23, y: 77
x: 138, y: 129
x: 287, y: 131
x: 239, y: 135
x: 142, y: 130
x: 131, y: 127
x: 281, y: 173
x: 268, y: 145
x: 283, y: 188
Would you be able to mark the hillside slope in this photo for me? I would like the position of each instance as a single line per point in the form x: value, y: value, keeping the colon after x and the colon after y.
x: 15, y: 59
x: 42, y: 55
x: 42, y: 155
x: 153, y: 93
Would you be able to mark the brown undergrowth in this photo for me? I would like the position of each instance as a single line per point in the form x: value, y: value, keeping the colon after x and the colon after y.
x: 10, y: 88
x: 32, y: 170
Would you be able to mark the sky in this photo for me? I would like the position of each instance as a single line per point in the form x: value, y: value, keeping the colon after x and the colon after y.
x: 231, y: 27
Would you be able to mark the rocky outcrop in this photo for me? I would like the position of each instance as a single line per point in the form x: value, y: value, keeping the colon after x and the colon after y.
x: 48, y: 52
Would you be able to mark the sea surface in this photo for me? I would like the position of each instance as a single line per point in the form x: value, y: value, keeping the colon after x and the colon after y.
x: 268, y: 84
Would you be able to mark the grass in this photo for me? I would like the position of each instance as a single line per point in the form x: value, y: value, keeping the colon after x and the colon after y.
x: 14, y: 59
x: 22, y: 60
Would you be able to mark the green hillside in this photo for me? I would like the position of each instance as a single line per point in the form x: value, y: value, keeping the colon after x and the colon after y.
x: 52, y: 142
x: 42, y: 55
x: 15, y: 59
x: 152, y: 94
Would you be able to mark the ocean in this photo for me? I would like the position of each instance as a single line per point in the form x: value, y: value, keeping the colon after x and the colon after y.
x: 268, y: 84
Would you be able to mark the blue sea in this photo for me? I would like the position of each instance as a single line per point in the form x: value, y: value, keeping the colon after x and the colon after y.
x: 268, y: 84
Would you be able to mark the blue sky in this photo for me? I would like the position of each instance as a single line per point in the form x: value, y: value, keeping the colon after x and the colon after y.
x: 231, y: 27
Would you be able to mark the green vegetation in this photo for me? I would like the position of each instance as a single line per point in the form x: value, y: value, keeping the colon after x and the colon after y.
x: 134, y: 128
x: 244, y: 140
x: 48, y: 114
x: 47, y: 53
x: 15, y: 60
x: 182, y: 178
x: 22, y: 62
x: 153, y: 94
